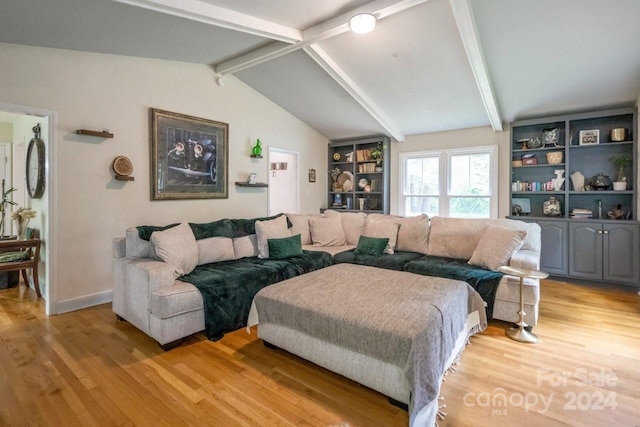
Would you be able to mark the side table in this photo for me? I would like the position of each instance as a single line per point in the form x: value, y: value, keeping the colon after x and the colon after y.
x: 520, y: 333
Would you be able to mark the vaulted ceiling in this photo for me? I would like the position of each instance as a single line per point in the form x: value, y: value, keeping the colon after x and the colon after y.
x: 429, y: 65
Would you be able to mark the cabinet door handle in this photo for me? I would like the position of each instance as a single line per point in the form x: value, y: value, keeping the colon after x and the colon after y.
x: 599, y: 231
x: 606, y: 231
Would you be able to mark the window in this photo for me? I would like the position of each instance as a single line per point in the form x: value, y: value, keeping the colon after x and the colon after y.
x: 458, y: 183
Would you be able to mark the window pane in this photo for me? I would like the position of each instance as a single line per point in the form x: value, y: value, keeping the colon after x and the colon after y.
x: 469, y: 207
x: 419, y: 205
x: 421, y: 176
x: 470, y: 174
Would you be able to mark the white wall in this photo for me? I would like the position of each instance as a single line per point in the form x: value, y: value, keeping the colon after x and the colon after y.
x: 94, y: 91
x: 456, y: 139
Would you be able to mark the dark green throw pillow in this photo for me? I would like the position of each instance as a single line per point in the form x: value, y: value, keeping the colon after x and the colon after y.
x: 286, y: 247
x: 371, y: 245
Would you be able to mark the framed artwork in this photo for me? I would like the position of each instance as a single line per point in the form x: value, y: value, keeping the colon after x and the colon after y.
x: 550, y: 136
x: 312, y: 175
x: 189, y: 157
x: 588, y: 137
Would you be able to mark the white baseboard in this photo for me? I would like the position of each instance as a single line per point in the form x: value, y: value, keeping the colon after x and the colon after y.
x: 79, y: 303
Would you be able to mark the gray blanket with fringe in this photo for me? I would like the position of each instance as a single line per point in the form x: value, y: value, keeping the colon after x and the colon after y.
x: 405, y: 319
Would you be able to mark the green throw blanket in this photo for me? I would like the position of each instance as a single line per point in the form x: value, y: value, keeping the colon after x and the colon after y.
x: 395, y: 261
x: 485, y: 282
x: 228, y: 287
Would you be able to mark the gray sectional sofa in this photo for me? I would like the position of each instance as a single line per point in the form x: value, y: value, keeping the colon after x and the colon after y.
x: 156, y: 296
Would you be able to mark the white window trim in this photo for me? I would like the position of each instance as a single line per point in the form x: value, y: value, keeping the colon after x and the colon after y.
x: 444, y: 156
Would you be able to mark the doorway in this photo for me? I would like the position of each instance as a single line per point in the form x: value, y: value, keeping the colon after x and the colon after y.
x: 283, y: 181
x: 17, y: 122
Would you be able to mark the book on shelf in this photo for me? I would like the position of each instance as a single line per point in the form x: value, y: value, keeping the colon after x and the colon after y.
x: 363, y: 155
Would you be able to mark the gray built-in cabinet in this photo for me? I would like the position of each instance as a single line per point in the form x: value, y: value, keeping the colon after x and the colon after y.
x: 574, y: 243
x: 361, y: 166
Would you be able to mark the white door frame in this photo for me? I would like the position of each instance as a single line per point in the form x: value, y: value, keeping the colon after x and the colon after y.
x: 49, y: 224
x: 296, y: 192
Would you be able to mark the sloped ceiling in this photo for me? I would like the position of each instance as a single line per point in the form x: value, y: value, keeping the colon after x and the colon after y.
x: 429, y: 65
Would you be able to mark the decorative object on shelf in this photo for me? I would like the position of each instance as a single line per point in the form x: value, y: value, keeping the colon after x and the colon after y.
x: 336, y: 157
x: 349, y: 157
x: 551, y: 207
x: 189, y: 157
x: 337, y: 200
x: 349, y: 203
x: 252, y: 178
x: 589, y: 137
x: 558, y: 180
x: 529, y: 159
x: 516, y: 163
x: 123, y: 168
x: 554, y: 157
x: 520, y: 206
x: 621, y: 163
x: 551, y: 136
x: 523, y: 143
x: 312, y: 175
x: 367, y: 188
x: 377, y: 154
x: 601, y: 182
x: 257, y: 149
x: 345, y: 180
x: 599, y: 208
x: 335, y: 173
x: 577, y: 179
x: 616, y: 212
x: 100, y: 134
x: 361, y: 203
x: 619, y: 135
x: 35, y: 164
x: 534, y: 143
x: 22, y: 216
x: 362, y: 183
x: 4, y: 204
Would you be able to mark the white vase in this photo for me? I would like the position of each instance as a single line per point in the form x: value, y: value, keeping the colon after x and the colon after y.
x: 620, y: 185
x: 578, y: 181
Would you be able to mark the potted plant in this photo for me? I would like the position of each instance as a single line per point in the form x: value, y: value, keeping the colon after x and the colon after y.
x: 377, y: 155
x: 621, y: 163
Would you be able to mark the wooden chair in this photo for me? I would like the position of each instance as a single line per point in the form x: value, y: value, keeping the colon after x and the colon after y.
x: 22, y: 255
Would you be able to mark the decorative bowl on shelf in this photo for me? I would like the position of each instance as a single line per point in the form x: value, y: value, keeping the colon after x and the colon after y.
x: 534, y: 143
x: 601, y: 182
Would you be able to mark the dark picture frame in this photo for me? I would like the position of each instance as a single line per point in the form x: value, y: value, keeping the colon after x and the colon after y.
x: 189, y: 157
x: 312, y: 175
x: 589, y: 137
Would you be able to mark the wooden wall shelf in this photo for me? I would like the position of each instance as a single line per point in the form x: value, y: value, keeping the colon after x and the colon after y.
x: 253, y: 156
x: 256, y: 185
x: 99, y: 134
x: 124, y: 178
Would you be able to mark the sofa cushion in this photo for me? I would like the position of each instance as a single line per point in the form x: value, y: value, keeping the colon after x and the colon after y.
x: 327, y: 231
x: 352, y: 224
x: 245, y: 246
x: 332, y: 250
x: 270, y: 229
x: 137, y: 247
x: 371, y: 245
x: 177, y: 247
x: 413, y: 235
x: 175, y: 300
x: 496, y: 246
x: 285, y: 247
x: 384, y: 229
x: 214, y: 249
x: 454, y: 237
x: 300, y: 225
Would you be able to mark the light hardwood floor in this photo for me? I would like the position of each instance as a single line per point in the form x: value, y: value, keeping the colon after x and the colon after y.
x: 88, y: 369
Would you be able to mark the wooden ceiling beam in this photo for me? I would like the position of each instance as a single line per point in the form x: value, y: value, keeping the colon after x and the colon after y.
x: 463, y: 16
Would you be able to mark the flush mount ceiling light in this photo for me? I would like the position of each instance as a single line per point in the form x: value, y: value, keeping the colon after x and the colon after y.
x: 362, y: 23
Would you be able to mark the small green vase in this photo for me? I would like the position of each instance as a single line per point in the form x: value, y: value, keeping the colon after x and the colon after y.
x: 257, y: 150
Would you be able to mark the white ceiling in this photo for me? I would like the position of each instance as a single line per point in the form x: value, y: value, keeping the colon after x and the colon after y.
x: 419, y: 71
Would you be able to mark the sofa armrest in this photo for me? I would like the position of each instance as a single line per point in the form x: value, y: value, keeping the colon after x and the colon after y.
x: 119, y: 247
x: 526, y: 259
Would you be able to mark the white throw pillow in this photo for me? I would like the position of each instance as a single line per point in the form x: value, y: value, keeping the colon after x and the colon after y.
x: 177, y: 247
x: 352, y: 224
x: 413, y: 235
x: 215, y: 249
x: 270, y: 229
x: 245, y: 246
x: 300, y: 225
x: 326, y: 231
x: 384, y: 229
x: 496, y: 247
